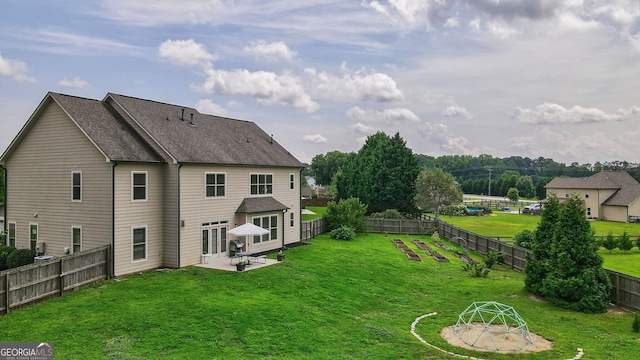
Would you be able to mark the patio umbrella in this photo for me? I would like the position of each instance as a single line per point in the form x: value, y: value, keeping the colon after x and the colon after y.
x: 248, y: 229
x: 307, y: 212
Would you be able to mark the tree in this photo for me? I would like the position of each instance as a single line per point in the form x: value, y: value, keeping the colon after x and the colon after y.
x: 624, y: 243
x: 538, y: 265
x: 434, y: 189
x: 525, y: 186
x: 524, y: 239
x: 610, y: 242
x: 576, y: 279
x: 325, y: 166
x: 513, y: 194
x: 381, y: 174
x: 349, y: 212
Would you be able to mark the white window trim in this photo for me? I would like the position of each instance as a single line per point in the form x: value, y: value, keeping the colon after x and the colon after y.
x: 292, y: 181
x: 15, y: 233
x: 146, y: 186
x: 225, y: 184
x: 292, y: 219
x: 72, y: 186
x: 266, y: 193
x: 73, y: 227
x: 276, y: 227
x: 146, y: 243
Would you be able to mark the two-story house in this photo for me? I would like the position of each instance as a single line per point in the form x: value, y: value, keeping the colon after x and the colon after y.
x: 161, y: 183
x: 607, y: 195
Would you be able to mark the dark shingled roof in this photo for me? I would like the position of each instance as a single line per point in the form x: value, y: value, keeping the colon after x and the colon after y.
x: 260, y: 204
x: 628, y: 188
x: 209, y: 139
x: 109, y: 133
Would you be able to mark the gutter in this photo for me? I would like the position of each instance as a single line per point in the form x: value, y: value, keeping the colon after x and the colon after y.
x: 113, y: 217
x: 179, y: 222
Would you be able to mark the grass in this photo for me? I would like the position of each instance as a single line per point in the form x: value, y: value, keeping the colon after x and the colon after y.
x: 507, y: 225
x: 318, y: 210
x: 329, y: 300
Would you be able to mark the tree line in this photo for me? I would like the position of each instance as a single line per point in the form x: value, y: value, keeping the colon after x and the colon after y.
x: 527, y: 175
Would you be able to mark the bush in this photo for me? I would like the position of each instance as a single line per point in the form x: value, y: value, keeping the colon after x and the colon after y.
x: 524, y: 239
x: 454, y: 210
x: 610, y: 242
x: 624, y: 243
x: 5, y: 251
x: 476, y: 270
x: 344, y: 232
x: 350, y: 212
x: 388, y: 214
x: 635, y: 326
x: 20, y: 257
x: 493, y: 257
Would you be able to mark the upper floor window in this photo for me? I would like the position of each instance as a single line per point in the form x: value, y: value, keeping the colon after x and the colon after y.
x: 138, y: 186
x: 566, y: 194
x: 586, y: 194
x: 215, y: 184
x: 76, y: 186
x: 292, y: 181
x: 261, y: 184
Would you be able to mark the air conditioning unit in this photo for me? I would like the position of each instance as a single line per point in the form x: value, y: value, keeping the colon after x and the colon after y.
x: 42, y: 258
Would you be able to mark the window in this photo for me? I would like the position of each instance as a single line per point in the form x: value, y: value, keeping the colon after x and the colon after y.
x: 76, y: 186
x: 270, y: 223
x: 588, y: 211
x: 292, y: 181
x: 586, y: 194
x: 139, y: 243
x: 33, y: 237
x: 214, y: 184
x: 292, y: 218
x: 566, y: 194
x: 261, y: 184
x: 11, y: 238
x: 76, y: 239
x: 139, y: 186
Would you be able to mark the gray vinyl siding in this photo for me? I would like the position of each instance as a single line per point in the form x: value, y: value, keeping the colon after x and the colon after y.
x: 197, y: 209
x: 130, y: 214
x: 170, y: 213
x: 39, y: 182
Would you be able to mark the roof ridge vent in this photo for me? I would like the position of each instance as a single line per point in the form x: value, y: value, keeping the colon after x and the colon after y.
x: 182, y: 116
x: 192, y: 122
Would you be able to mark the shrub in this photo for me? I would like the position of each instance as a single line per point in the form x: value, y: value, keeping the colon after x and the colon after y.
x: 344, y: 232
x: 476, y: 270
x: 388, y: 214
x: 636, y: 323
x: 524, y: 239
x: 20, y: 257
x: 638, y: 242
x: 610, y: 242
x: 454, y: 210
x: 350, y: 212
x: 493, y: 257
x: 624, y: 243
x: 5, y: 251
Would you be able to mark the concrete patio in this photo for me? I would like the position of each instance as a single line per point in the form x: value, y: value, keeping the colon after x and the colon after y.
x: 225, y: 264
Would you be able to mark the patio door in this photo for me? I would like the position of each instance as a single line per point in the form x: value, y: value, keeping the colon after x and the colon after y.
x: 214, y: 239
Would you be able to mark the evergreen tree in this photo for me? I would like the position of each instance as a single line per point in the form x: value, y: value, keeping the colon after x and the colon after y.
x: 576, y: 279
x: 609, y: 242
x: 538, y: 265
x: 625, y: 244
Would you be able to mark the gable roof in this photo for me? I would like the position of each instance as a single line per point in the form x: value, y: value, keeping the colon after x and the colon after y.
x: 628, y: 189
x: 206, y: 139
x: 125, y: 128
x: 260, y: 204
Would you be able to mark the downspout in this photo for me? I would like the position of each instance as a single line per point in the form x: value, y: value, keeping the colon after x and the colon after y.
x: 113, y: 217
x: 6, y: 220
x: 178, y: 219
x: 283, y: 226
x: 299, y: 217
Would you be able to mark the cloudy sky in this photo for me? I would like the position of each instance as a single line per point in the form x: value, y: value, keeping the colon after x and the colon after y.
x: 552, y: 78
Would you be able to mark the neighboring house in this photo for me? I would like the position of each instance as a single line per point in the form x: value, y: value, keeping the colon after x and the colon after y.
x: 161, y: 183
x: 613, y: 196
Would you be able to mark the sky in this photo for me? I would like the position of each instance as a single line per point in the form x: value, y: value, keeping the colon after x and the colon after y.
x: 553, y: 78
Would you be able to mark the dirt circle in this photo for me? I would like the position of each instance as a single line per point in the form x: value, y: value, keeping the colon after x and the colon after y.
x: 539, y: 343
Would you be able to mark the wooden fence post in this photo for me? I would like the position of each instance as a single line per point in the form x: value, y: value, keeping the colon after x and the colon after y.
x: 61, y: 277
x: 6, y: 293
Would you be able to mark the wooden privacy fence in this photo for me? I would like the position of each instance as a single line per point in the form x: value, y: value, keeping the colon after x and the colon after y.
x: 312, y: 228
x: 401, y: 226
x: 625, y: 291
x: 34, y: 282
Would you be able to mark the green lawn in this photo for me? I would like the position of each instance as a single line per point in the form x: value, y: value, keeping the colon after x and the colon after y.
x: 507, y: 225
x: 328, y: 300
x: 318, y: 210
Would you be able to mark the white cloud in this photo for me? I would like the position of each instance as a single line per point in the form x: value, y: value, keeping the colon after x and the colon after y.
x: 439, y: 135
x: 186, y: 52
x: 456, y: 110
x: 359, y: 85
x: 362, y: 128
x: 17, y: 70
x: 273, y: 51
x: 157, y: 12
x: 207, y: 106
x: 316, y: 139
x: 386, y: 116
x: 268, y: 87
x: 76, y: 82
x: 549, y: 113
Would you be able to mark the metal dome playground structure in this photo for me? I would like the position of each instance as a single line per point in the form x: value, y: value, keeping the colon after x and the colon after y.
x: 492, y: 326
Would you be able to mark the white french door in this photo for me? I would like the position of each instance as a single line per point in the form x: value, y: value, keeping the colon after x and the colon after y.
x: 214, y: 239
